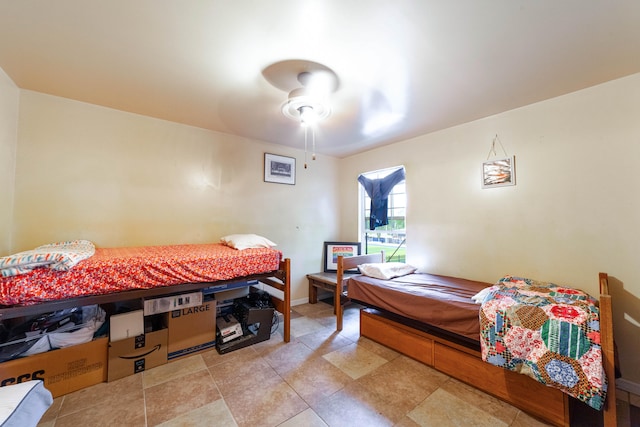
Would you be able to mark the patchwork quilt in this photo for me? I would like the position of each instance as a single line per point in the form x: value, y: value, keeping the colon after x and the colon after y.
x: 548, y: 332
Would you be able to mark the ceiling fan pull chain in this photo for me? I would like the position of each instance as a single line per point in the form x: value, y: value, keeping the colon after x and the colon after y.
x: 305, y: 147
x: 313, y: 144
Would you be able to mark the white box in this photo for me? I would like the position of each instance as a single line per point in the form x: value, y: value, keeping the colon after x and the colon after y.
x: 229, y: 328
x: 126, y: 325
x: 174, y: 302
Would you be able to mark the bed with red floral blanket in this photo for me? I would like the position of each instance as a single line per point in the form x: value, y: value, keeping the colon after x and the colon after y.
x: 112, y: 270
x: 548, y: 332
x: 128, y: 273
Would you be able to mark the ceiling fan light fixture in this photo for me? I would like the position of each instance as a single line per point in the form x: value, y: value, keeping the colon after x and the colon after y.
x: 304, y: 107
x: 307, y: 115
x: 308, y: 103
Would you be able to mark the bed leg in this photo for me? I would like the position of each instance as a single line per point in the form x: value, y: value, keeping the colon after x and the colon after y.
x: 286, y: 315
x: 337, y: 297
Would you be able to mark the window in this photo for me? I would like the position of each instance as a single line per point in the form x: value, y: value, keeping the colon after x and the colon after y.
x: 390, y: 237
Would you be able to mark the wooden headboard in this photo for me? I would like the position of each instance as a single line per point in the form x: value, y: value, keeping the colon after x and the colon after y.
x: 344, y: 264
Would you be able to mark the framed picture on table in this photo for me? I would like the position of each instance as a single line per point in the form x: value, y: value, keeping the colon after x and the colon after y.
x: 334, y: 249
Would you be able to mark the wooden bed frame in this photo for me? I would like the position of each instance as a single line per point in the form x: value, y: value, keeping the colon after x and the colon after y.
x: 465, y: 364
x: 279, y: 279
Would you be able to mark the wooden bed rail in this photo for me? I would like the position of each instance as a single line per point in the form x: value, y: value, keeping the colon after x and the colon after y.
x: 344, y: 264
x: 282, y: 282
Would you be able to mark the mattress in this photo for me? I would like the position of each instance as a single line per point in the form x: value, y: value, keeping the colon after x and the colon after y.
x: 112, y: 270
x: 440, y: 301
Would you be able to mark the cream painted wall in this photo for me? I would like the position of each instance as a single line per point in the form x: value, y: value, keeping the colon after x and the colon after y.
x: 116, y: 178
x: 121, y: 179
x: 9, y: 96
x: 573, y: 213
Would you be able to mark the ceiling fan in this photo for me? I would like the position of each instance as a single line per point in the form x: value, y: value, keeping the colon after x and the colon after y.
x: 309, y: 85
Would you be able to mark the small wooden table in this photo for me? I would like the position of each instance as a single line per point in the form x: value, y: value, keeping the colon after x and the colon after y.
x: 326, y: 281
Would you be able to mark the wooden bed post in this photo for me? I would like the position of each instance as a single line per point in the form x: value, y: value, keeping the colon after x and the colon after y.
x: 287, y: 300
x: 281, y: 281
x: 347, y: 264
x: 337, y: 297
x: 608, y: 352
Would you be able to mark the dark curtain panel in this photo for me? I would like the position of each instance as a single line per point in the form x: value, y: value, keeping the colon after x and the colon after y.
x: 379, y: 190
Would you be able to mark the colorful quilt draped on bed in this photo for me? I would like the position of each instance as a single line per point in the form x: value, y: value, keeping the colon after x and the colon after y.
x: 112, y: 270
x: 59, y: 256
x: 548, y: 332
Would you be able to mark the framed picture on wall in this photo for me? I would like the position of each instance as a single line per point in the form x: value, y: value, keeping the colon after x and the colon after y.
x: 279, y: 169
x: 334, y: 249
x: 499, y: 172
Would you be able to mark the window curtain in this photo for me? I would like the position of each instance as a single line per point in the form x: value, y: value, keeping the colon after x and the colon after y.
x: 378, y: 190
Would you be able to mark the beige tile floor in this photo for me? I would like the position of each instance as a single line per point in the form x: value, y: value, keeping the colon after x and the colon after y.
x: 320, y: 378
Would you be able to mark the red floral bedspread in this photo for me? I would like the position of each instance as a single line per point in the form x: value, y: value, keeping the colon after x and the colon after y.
x: 548, y: 332
x: 112, y: 270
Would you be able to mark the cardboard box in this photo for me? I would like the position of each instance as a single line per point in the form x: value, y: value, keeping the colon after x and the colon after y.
x: 173, y: 302
x: 137, y: 354
x: 192, y: 330
x: 64, y: 370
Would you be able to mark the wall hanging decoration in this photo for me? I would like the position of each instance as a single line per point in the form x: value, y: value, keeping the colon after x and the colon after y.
x: 498, y: 172
x: 279, y: 169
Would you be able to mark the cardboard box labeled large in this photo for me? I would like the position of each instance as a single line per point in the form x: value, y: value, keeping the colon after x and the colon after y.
x: 173, y: 302
x: 192, y: 330
x: 137, y: 354
x: 63, y: 370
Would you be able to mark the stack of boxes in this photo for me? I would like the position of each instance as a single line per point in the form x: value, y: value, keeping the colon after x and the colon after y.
x: 165, y: 329
x: 151, y: 334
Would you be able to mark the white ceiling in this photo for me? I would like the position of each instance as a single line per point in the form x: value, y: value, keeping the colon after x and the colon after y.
x: 406, y: 68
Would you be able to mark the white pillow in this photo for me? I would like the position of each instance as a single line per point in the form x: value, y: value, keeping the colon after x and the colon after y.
x: 386, y: 270
x: 479, y: 297
x: 245, y: 241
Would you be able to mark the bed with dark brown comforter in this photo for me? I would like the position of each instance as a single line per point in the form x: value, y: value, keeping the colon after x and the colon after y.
x: 434, y: 319
x: 439, y: 301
